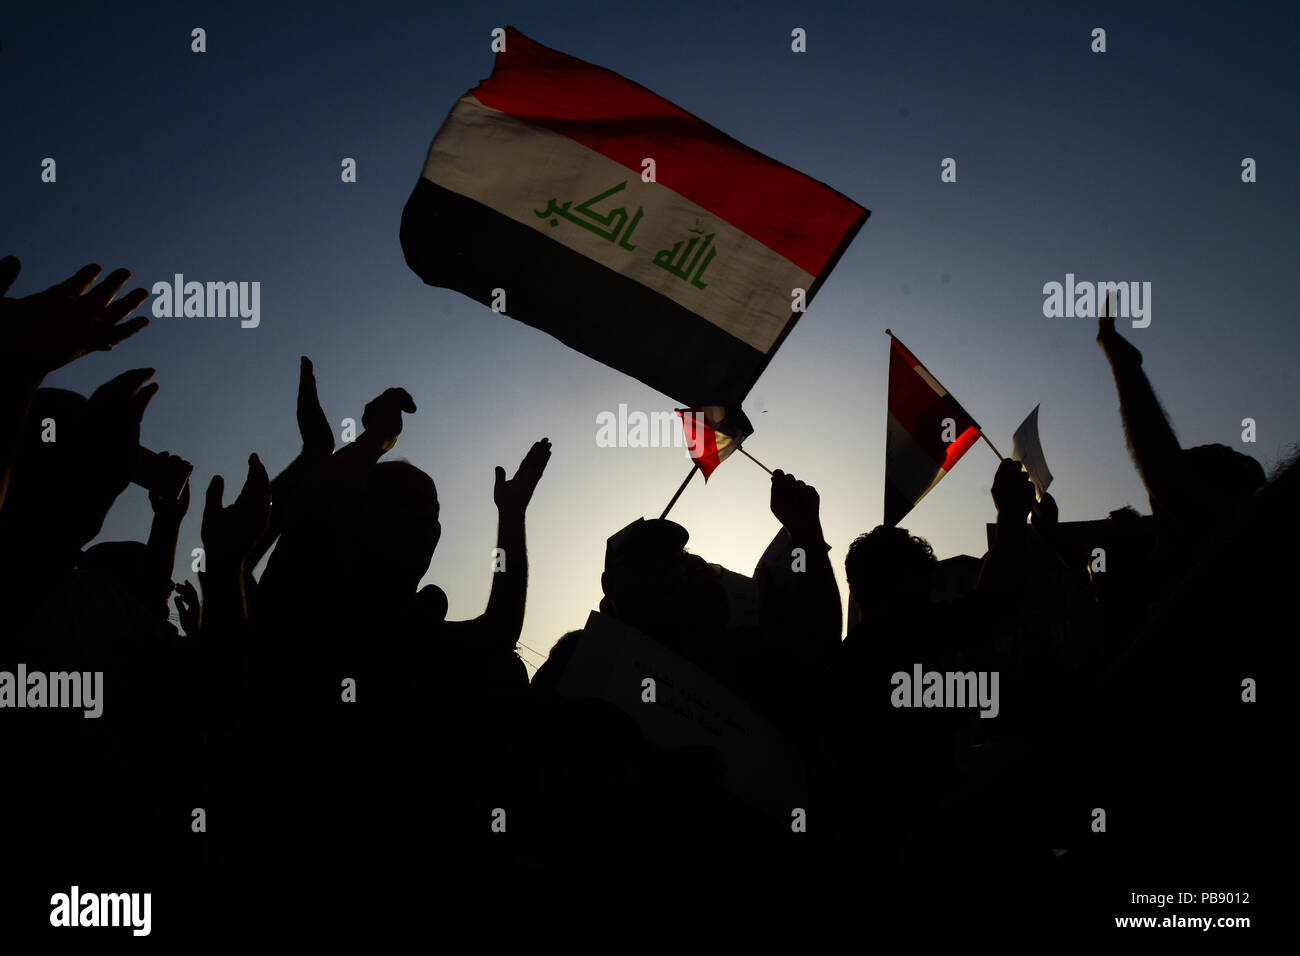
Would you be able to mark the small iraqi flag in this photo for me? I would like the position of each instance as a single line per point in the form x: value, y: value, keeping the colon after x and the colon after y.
x: 712, y: 434
x: 926, y: 434
x: 535, y: 186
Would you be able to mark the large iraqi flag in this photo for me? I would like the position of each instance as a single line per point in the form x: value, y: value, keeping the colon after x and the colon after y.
x: 534, y: 186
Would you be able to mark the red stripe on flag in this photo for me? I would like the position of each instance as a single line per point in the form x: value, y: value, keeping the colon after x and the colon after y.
x: 798, y: 217
x: 903, y: 352
x: 920, y: 410
x: 960, y: 447
x: 701, y: 440
x: 916, y: 456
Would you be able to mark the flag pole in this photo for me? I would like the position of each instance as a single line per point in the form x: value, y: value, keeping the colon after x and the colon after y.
x: 741, y: 449
x: 990, y: 444
x: 694, y: 469
x: 996, y: 453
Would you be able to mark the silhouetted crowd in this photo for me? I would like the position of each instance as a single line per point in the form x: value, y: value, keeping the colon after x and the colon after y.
x: 361, y: 762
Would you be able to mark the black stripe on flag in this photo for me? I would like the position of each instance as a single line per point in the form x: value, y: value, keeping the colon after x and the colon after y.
x: 452, y: 241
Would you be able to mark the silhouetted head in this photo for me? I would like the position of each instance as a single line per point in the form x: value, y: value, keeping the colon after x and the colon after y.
x: 889, y: 566
x: 1229, y: 474
x: 1231, y: 480
x: 652, y: 583
x: 397, y: 528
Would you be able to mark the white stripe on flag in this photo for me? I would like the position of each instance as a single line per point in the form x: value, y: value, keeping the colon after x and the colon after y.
x: 929, y: 379
x: 518, y: 169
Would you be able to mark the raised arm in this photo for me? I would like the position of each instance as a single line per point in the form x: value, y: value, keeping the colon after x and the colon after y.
x: 1007, y: 564
x: 46, y: 331
x: 1024, y: 560
x: 321, y: 494
x: 799, y: 597
x: 503, y: 620
x: 382, y: 424
x: 1151, y: 439
x: 163, y: 534
x: 228, y: 537
x: 313, y: 459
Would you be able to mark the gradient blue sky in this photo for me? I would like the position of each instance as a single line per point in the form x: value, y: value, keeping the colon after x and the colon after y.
x: 1123, y: 166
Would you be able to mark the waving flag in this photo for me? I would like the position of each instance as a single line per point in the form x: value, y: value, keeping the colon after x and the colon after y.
x: 1028, y: 450
x: 712, y: 435
x: 535, y: 186
x: 926, y: 434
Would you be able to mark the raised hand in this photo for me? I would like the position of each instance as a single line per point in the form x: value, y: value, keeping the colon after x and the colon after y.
x: 1117, y: 348
x: 796, y: 505
x: 382, y: 418
x: 112, y: 429
x: 188, y: 608
x: 513, y: 496
x: 313, y: 426
x: 45, y: 331
x: 229, y: 533
x: 171, y: 510
x: 1013, y: 492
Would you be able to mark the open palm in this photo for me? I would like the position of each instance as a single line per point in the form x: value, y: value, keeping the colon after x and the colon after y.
x: 48, y: 330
